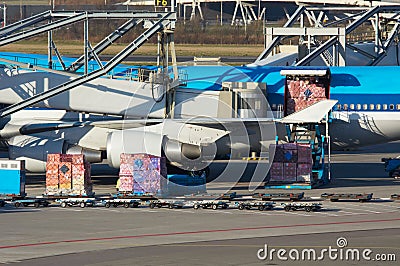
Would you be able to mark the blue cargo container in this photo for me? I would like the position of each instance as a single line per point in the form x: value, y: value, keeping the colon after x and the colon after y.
x: 12, y: 178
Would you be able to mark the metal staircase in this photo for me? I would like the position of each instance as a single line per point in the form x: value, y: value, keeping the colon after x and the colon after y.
x: 163, y: 22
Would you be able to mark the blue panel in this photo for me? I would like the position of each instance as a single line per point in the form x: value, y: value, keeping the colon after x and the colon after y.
x: 12, y: 182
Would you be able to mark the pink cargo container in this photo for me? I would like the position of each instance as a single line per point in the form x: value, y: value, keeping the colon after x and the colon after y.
x: 289, y: 172
x: 276, y: 172
x: 304, y: 171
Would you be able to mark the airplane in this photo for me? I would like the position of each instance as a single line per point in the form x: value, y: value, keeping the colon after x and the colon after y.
x: 216, y: 112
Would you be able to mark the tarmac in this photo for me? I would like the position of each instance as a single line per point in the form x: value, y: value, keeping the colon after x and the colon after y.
x: 161, y: 236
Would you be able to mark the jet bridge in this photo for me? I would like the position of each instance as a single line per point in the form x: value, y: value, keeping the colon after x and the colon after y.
x: 162, y: 23
x: 329, y: 31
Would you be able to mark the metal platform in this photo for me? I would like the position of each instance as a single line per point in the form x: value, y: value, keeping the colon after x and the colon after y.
x: 153, y: 22
x: 340, y: 24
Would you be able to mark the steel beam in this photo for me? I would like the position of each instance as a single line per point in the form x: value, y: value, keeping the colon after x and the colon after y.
x: 41, y: 29
x: 25, y: 23
x: 276, y: 40
x: 386, y: 45
x: 158, y: 26
x: 106, y: 42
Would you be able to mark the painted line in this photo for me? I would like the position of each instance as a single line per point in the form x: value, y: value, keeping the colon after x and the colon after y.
x: 194, y: 232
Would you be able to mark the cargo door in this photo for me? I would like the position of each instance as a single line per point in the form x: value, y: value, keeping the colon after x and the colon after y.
x: 305, y: 87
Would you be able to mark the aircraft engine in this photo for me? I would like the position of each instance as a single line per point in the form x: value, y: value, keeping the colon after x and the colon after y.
x: 34, y: 151
x: 187, y: 156
x: 130, y: 141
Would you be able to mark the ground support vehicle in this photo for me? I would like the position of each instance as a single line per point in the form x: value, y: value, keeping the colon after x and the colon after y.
x: 134, y: 203
x: 258, y: 204
x: 213, y: 204
x: 25, y: 202
x: 170, y: 203
x: 307, y: 206
x: 78, y: 201
x: 392, y: 166
x: 395, y: 197
x: 347, y: 196
x: 139, y: 196
x: 280, y: 196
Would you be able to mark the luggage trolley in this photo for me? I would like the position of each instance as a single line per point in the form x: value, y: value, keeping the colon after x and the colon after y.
x: 79, y: 201
x: 258, y: 204
x: 134, y: 203
x: 306, y: 206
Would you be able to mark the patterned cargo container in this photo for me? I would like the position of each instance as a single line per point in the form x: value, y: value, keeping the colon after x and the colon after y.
x: 301, y: 94
x: 304, y: 171
x: 79, y: 179
x: 304, y: 154
x: 290, y: 156
x: 126, y: 183
x: 289, y: 172
x: 65, y: 177
x: 276, y: 172
x: 277, y: 152
x: 147, y: 173
x: 68, y: 174
x: 150, y: 181
x: 140, y: 162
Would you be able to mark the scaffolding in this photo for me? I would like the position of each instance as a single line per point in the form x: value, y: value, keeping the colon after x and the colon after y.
x: 337, y: 23
x: 161, y: 23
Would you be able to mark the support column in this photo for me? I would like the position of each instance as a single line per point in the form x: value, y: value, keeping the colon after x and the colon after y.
x: 50, y: 49
x: 86, y: 44
x: 342, y: 47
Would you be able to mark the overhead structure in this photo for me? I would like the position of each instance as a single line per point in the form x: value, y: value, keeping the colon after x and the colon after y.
x: 162, y: 23
x: 343, y: 26
x: 244, y: 12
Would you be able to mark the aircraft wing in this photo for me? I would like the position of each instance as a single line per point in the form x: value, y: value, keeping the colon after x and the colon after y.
x: 312, y: 114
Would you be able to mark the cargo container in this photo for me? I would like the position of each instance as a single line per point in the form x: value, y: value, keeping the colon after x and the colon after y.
x: 12, y: 178
x: 68, y: 174
x: 142, y: 173
x: 303, y: 89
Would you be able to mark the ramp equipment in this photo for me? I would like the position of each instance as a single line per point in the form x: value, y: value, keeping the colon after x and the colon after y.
x: 342, y: 25
x: 156, y: 22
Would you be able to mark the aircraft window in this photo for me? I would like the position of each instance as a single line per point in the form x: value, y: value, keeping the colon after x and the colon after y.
x: 358, y: 106
x: 338, y: 107
x: 384, y: 107
x: 365, y: 106
x: 397, y: 106
x: 371, y: 107
x: 14, y: 165
x: 4, y: 165
x: 351, y: 106
x: 345, y: 107
x: 378, y: 107
x: 257, y: 105
x: 391, y: 107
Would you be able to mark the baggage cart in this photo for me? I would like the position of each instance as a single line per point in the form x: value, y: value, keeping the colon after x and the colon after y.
x: 334, y: 197
x: 281, y: 196
x: 395, y: 197
x: 25, y: 202
x: 170, y: 203
x: 257, y: 204
x: 213, y: 204
x: 134, y: 203
x: 78, y: 201
x: 306, y: 206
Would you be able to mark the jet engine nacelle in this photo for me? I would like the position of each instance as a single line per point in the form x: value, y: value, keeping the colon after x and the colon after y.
x: 188, y: 156
x: 34, y: 151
